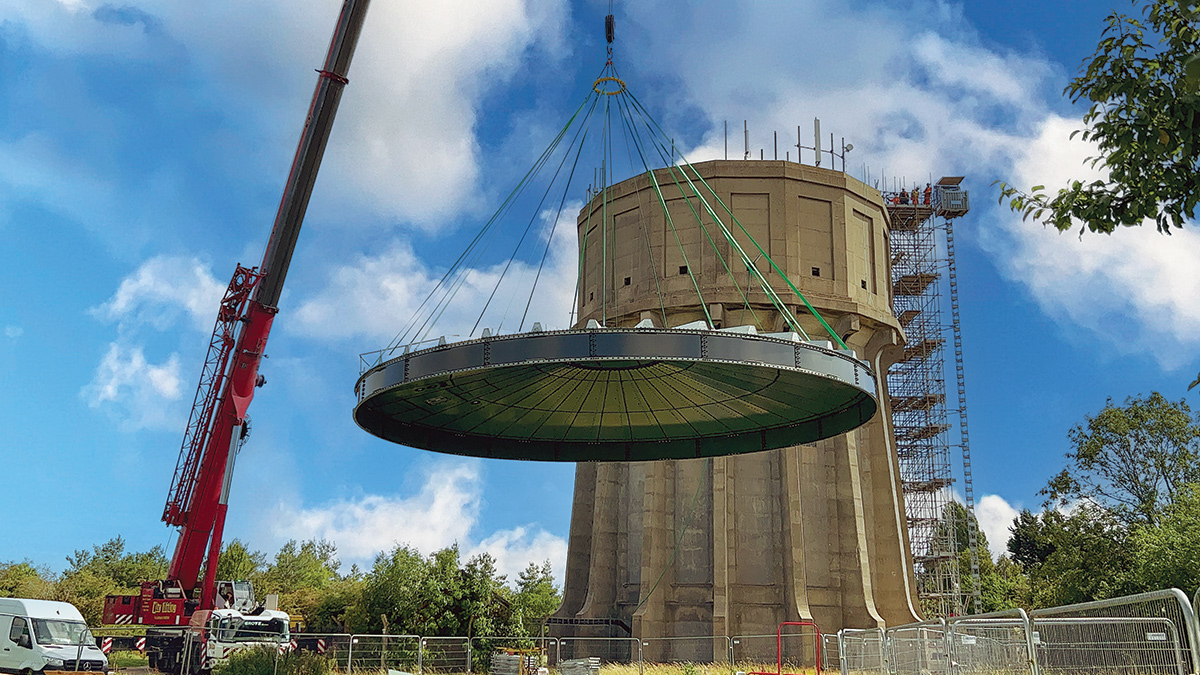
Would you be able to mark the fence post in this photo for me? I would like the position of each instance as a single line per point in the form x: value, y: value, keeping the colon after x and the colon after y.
x: 841, y: 642
x: 1189, y: 620
x: 884, y: 665
x: 1033, y: 663
x: 350, y: 654
x: 420, y: 656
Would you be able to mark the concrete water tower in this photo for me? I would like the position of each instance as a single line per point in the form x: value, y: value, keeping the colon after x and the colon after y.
x: 735, y: 545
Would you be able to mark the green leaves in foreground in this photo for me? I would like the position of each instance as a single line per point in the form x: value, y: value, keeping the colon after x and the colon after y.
x: 1143, y: 84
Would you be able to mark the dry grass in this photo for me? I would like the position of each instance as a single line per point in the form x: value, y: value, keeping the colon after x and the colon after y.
x: 696, y: 669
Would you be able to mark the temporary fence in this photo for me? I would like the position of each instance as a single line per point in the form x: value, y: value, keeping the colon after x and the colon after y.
x: 1129, y: 646
x: 715, y: 649
x: 859, y: 652
x: 626, y: 651
x: 916, y: 648
x: 1145, y: 634
x: 998, y: 643
x: 795, y: 647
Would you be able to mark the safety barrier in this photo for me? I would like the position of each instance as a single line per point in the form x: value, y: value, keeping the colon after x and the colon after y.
x: 626, y: 651
x: 859, y: 652
x: 999, y: 643
x: 1146, y: 634
x: 715, y: 649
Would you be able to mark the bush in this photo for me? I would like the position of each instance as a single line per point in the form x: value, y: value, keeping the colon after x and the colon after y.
x: 262, y: 661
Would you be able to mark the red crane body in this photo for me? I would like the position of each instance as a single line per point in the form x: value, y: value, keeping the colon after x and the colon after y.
x: 197, y: 500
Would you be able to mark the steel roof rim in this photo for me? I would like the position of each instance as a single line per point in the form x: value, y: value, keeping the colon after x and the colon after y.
x: 610, y: 331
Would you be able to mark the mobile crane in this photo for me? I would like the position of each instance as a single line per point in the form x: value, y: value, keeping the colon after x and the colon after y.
x: 218, y: 425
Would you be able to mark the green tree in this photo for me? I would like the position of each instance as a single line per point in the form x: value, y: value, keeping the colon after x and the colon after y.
x: 1072, y: 557
x: 106, y: 570
x: 23, y: 580
x: 436, y: 595
x: 310, y: 564
x: 1167, y: 554
x: 1131, y: 460
x: 299, y: 573
x: 126, y: 570
x: 238, y: 563
x: 331, y: 607
x: 536, y: 596
x: 1144, y: 117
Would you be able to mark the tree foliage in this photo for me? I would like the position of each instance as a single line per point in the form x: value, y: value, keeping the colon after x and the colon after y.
x: 1131, y: 459
x: 404, y: 592
x: 1124, y: 515
x: 1071, y: 557
x: 1142, y: 87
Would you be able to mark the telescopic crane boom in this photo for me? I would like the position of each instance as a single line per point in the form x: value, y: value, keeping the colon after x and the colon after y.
x: 196, y: 503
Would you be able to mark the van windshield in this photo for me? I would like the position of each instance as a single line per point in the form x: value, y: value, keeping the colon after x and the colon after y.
x: 56, y: 632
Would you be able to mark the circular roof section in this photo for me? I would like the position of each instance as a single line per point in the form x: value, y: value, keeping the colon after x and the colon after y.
x: 615, y: 395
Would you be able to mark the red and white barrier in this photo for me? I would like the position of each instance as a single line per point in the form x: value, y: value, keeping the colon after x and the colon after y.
x: 106, y: 645
x: 320, y: 645
x: 141, y: 644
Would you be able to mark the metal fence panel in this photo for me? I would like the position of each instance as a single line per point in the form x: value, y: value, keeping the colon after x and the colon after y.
x: 627, y: 651
x: 918, y: 649
x: 1169, y: 604
x: 707, y: 649
x: 1109, y: 645
x: 445, y: 655
x: 991, y: 644
x: 382, y: 652
x: 860, y: 652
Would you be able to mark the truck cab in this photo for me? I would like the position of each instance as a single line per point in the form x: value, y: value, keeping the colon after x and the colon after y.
x: 43, y: 635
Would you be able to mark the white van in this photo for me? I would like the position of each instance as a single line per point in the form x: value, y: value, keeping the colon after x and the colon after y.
x: 42, y: 635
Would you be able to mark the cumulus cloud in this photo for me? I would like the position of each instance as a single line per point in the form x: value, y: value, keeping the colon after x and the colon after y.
x: 377, y: 296
x: 445, y: 511
x: 160, y: 288
x: 1135, y: 288
x: 934, y: 101
x: 13, y: 331
x: 995, y: 515
x: 135, y: 391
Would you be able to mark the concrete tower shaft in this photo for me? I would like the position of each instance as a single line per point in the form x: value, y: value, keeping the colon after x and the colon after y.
x: 735, y: 545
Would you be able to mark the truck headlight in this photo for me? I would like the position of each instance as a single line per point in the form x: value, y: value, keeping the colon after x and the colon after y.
x: 54, y: 663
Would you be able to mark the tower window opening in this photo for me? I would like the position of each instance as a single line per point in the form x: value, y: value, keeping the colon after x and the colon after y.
x: 683, y: 269
x: 591, y: 297
x: 816, y: 271
x: 864, y: 284
x: 627, y: 280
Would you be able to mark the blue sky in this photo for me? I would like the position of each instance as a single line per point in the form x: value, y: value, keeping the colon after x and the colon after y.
x: 143, y: 147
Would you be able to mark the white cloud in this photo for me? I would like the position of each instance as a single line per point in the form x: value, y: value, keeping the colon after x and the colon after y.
x: 136, y: 392
x: 995, y: 515
x: 514, y: 549
x: 1136, y: 288
x: 935, y: 102
x: 445, y: 511
x: 13, y: 331
x: 377, y: 296
x: 161, y: 287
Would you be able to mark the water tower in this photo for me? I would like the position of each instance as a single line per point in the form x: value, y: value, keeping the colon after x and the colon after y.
x: 735, y: 545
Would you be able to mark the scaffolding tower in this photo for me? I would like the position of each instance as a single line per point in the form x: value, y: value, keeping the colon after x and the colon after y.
x: 917, y: 388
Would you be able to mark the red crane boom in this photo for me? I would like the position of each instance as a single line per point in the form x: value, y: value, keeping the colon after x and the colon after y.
x: 196, y: 502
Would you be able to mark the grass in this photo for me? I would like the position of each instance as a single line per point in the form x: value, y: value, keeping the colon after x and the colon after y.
x: 128, y: 659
